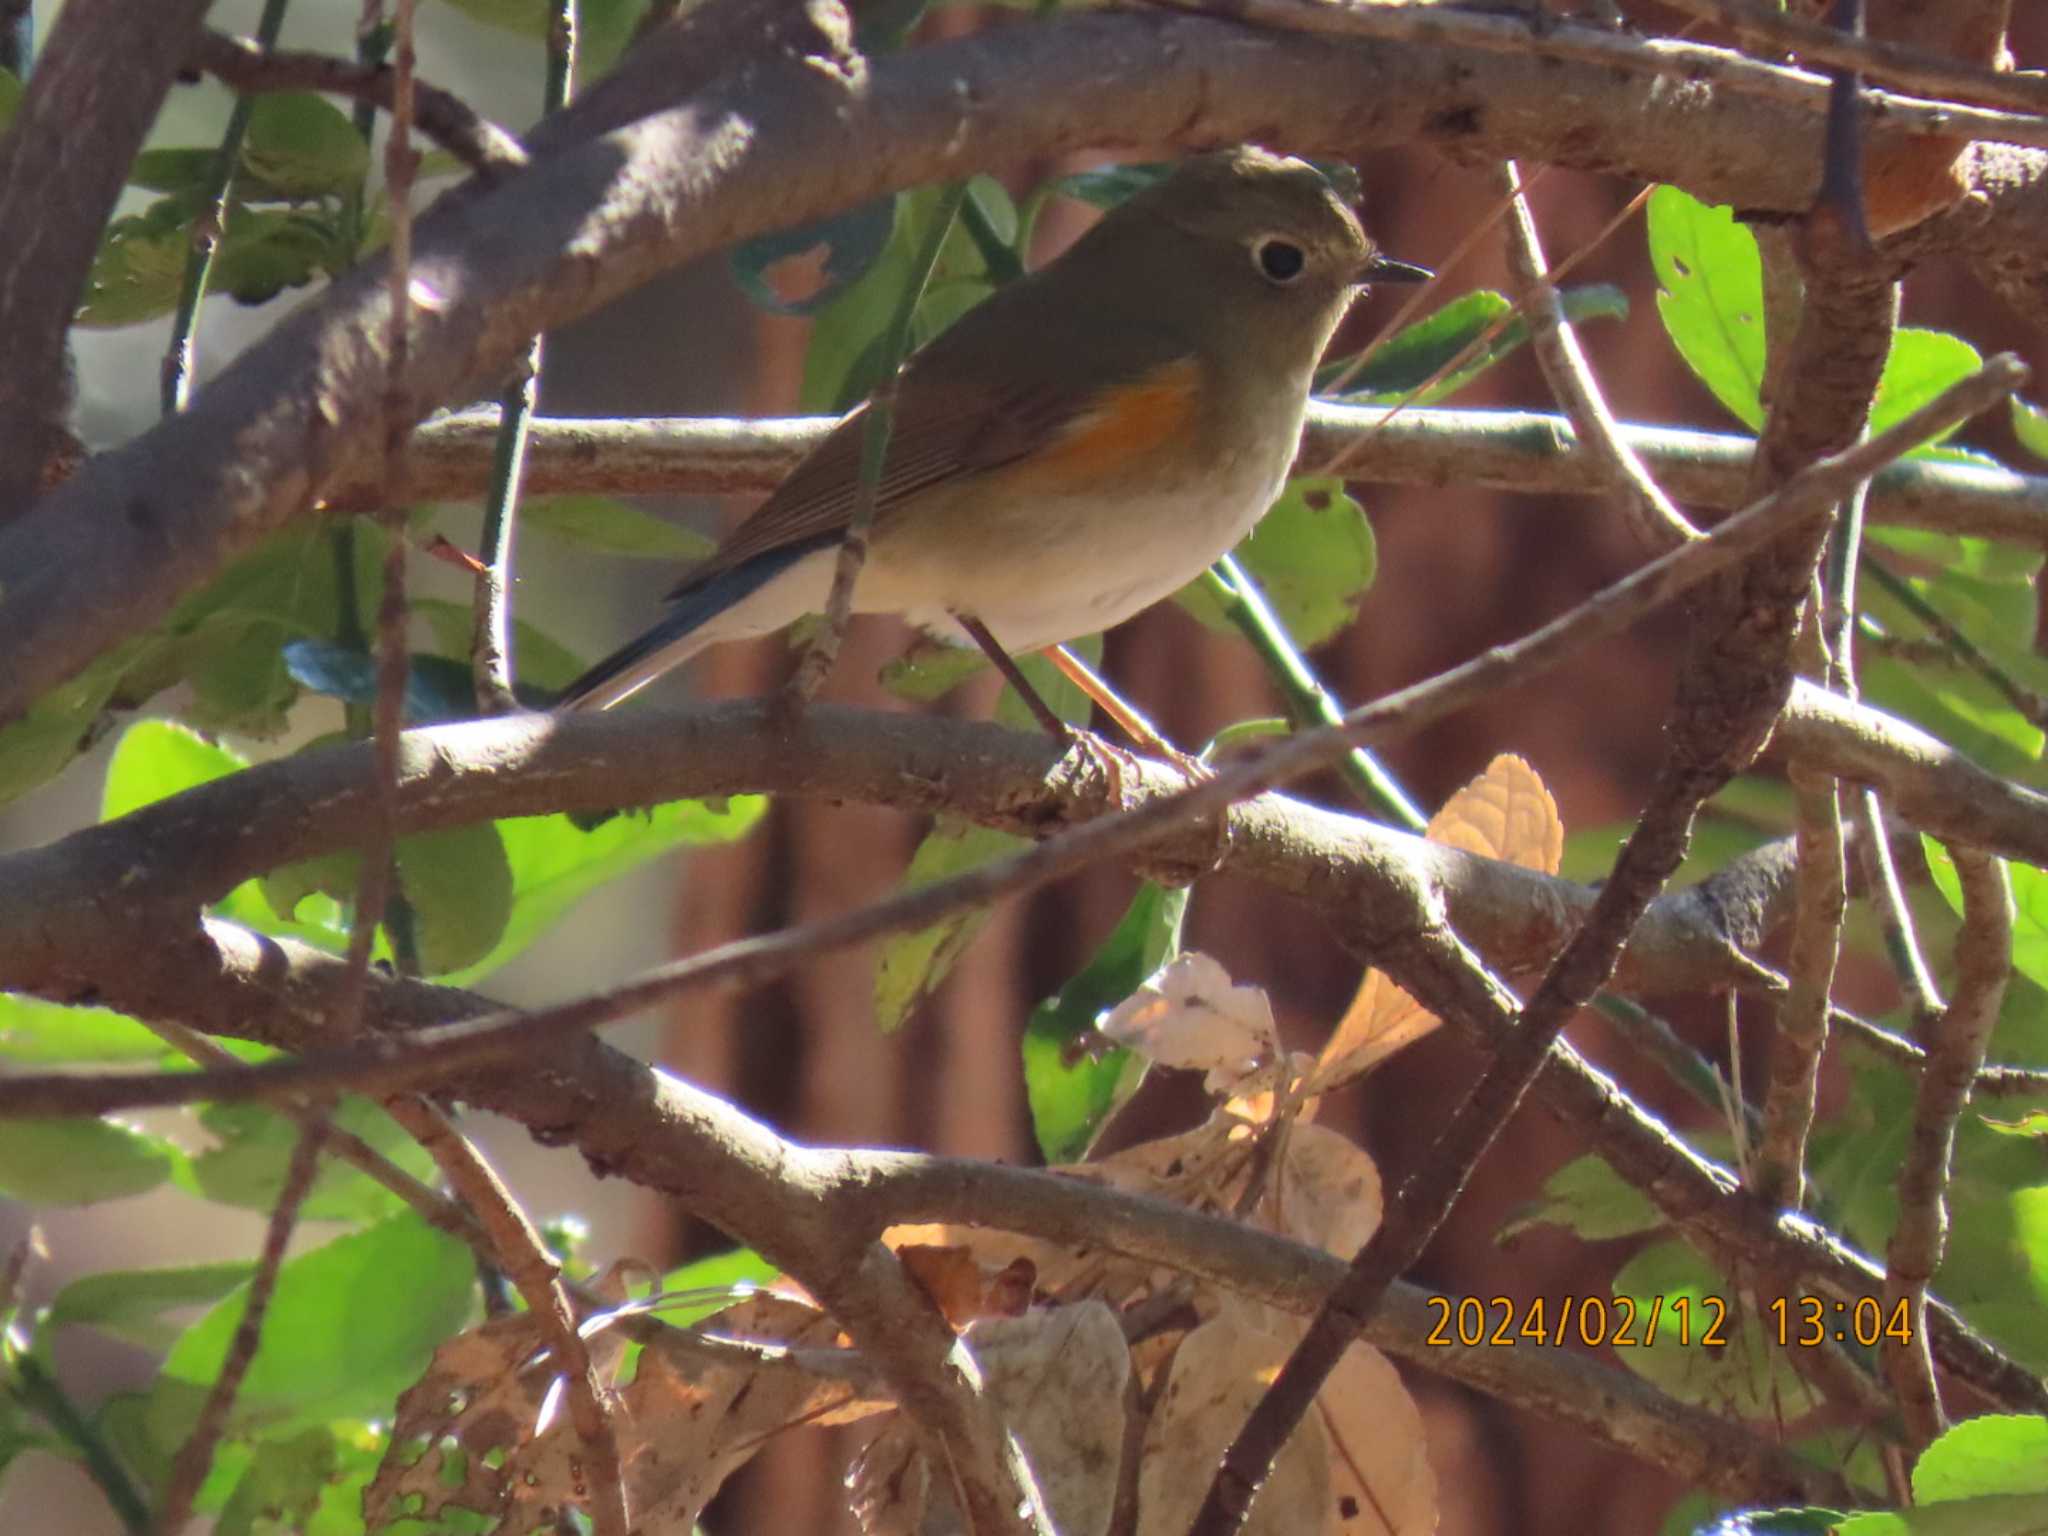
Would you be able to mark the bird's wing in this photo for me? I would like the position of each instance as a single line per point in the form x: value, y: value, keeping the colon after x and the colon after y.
x: 950, y: 422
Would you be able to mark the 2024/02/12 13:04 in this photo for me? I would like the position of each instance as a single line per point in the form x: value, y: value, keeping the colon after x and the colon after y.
x: 1797, y: 1322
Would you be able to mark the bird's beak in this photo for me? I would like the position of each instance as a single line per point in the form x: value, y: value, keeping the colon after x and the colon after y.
x: 1384, y: 269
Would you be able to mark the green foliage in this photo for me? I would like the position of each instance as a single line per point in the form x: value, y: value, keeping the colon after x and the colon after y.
x: 612, y: 527
x: 1312, y: 556
x: 1711, y: 300
x: 1697, y: 1338
x: 1467, y: 336
x: 1590, y: 1200
x: 844, y: 361
x: 1072, y: 1084
x: 349, y: 1327
x: 80, y: 1162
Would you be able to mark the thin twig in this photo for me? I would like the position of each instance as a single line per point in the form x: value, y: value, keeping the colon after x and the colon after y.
x: 432, y: 1207
x: 1530, y: 452
x: 44, y: 1396
x: 209, y: 228
x: 441, y: 115
x: 518, y: 1250
x: 1955, y: 1053
x: 1990, y: 1081
x: 433, y: 1052
x: 195, y: 1456
x: 376, y: 877
x: 1894, y: 914
x: 880, y: 422
x: 1657, y: 524
x: 1308, y: 701
x: 2032, y: 707
x: 1778, y: 1173
x: 1926, y: 74
x: 491, y: 645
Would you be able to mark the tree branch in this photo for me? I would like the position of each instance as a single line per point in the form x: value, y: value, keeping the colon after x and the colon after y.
x: 96, y: 88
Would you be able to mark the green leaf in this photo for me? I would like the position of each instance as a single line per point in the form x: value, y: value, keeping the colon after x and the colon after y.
x: 266, y: 251
x: 37, y: 1033
x: 282, y: 1486
x: 2026, y: 1515
x: 1711, y: 297
x: 10, y: 97
x: 1073, y: 1091
x: 1696, y: 1339
x: 156, y: 759
x: 912, y: 965
x: 351, y: 1324
x: 174, y: 172
x: 80, y: 1162
x: 1111, y: 184
x: 1987, y: 559
x: 1589, y: 1199
x: 130, y: 1304
x: 1999, y: 1453
x: 225, y: 642
x: 843, y: 362
x: 302, y: 145
x: 554, y: 864
x: 1403, y: 364
x: 2030, y: 426
x: 1312, y: 556
x: 720, y: 1278
x: 1920, y: 365
x: 931, y: 669
x: 459, y: 882
x: 2030, y: 907
x: 139, y: 268
x: 1962, y: 709
x: 612, y: 526
x: 59, y: 725
x: 253, y: 1147
x: 822, y: 257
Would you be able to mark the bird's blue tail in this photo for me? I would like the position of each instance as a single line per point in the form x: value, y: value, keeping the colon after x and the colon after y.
x: 638, y: 662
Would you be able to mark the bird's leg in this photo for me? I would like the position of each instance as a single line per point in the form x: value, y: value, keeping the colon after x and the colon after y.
x: 1143, y: 734
x: 1000, y: 659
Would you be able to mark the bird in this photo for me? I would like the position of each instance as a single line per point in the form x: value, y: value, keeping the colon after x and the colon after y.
x: 1081, y: 444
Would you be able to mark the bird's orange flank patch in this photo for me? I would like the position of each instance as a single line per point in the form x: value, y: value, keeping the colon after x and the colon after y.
x: 1121, y: 426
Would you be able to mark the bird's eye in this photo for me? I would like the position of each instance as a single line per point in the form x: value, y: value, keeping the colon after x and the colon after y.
x: 1280, y: 261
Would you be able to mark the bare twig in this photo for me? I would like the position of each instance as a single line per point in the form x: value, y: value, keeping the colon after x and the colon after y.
x: 208, y: 229
x: 1778, y: 1173
x: 195, y: 1456
x: 491, y: 649
x: 1658, y: 525
x: 1523, y: 451
x: 441, y: 115
x: 1763, y: 26
x: 432, y: 1207
x: 1955, y: 1052
x: 519, y: 1251
x: 1991, y: 1081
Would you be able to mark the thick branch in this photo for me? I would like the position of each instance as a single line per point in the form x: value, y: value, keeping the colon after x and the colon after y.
x: 96, y: 88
